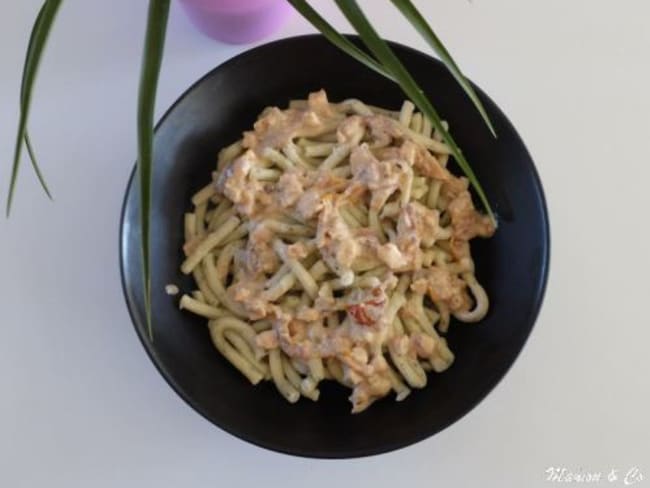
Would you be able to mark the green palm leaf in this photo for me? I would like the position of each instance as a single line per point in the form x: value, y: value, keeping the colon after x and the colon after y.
x: 150, y: 72
x: 28, y: 144
x: 415, y: 18
x: 37, y: 42
x: 37, y: 170
x: 380, y: 49
x: 335, y: 38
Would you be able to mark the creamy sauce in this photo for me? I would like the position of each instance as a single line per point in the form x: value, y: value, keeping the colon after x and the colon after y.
x: 383, y: 161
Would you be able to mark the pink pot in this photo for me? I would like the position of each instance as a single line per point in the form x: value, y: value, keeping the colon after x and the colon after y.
x: 237, y: 21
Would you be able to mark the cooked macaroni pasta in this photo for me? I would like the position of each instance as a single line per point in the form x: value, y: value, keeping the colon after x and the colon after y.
x: 333, y: 243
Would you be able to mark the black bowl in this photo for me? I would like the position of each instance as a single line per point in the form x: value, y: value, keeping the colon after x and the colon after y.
x: 512, y: 266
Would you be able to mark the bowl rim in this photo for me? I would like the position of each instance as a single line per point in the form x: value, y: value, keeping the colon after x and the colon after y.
x: 315, y: 452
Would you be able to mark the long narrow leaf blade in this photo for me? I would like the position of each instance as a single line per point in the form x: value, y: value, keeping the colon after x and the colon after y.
x: 335, y: 37
x: 392, y: 64
x: 38, y: 40
x: 150, y: 72
x: 29, y: 55
x: 37, y: 170
x: 417, y: 20
x: 28, y: 144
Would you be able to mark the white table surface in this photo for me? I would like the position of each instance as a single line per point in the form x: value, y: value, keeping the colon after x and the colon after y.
x: 81, y: 405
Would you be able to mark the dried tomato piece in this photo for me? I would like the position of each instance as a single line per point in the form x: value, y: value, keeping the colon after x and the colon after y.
x: 358, y: 312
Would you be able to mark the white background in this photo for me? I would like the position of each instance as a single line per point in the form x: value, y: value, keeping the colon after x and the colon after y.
x: 80, y: 403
